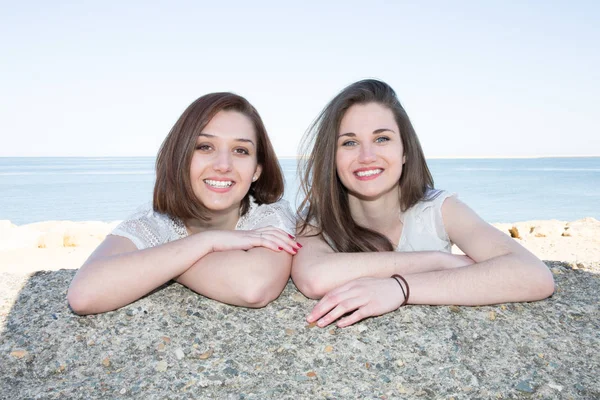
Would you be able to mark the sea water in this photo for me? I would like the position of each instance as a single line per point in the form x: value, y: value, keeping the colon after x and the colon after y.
x: 108, y: 189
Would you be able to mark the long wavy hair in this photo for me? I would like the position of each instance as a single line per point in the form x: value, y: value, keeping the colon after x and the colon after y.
x: 173, y: 192
x: 325, y: 204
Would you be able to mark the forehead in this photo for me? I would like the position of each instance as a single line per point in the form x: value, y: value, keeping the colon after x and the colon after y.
x: 231, y: 125
x: 367, y: 117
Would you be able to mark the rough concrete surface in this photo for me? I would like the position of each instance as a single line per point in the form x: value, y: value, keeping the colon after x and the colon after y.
x: 174, y: 344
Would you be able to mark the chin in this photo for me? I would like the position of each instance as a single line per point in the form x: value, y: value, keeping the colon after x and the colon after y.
x: 369, y: 195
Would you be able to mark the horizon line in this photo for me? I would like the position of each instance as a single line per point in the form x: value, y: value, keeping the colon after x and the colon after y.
x: 296, y: 157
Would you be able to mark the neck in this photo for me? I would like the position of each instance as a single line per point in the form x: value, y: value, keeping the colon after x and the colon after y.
x: 218, y: 220
x: 381, y: 214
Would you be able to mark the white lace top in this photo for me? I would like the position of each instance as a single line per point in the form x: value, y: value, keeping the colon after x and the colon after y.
x: 147, y: 228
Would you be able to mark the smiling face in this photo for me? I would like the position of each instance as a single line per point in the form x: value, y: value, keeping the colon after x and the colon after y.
x: 369, y: 155
x: 224, y: 163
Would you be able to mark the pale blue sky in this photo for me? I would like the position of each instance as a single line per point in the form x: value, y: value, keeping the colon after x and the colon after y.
x: 478, y: 78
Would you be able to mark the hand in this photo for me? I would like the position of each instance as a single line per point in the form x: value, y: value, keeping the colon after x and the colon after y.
x: 365, y: 296
x: 268, y: 237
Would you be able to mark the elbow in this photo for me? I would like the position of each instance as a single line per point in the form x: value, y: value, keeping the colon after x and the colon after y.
x: 310, y: 286
x: 260, y: 294
x: 546, y: 285
x: 79, y: 302
x: 542, y: 283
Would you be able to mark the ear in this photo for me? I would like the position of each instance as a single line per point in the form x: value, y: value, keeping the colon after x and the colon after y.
x: 403, y: 158
x: 257, y: 173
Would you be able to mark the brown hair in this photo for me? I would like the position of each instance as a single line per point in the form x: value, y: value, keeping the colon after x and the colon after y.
x: 325, y: 204
x: 173, y: 193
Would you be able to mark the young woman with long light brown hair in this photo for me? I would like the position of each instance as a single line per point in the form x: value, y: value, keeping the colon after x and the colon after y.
x: 376, y: 233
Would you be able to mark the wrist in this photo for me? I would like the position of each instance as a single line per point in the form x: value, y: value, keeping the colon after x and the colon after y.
x: 204, y: 243
x: 403, y: 287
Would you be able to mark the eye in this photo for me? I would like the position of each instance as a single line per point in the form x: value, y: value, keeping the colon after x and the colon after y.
x: 203, y: 147
x: 382, y: 139
x: 349, y: 143
x: 241, y: 150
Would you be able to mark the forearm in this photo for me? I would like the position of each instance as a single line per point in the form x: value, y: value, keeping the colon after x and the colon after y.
x: 318, y: 275
x: 107, y: 282
x: 507, y: 278
x: 250, y: 278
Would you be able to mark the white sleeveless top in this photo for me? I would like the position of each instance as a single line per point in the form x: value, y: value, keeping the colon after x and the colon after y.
x: 147, y: 228
x: 423, y: 228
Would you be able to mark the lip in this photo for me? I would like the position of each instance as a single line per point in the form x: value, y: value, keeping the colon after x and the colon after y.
x: 219, y: 189
x: 368, y: 177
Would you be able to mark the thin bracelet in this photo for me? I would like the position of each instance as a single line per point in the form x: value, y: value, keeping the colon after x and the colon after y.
x: 407, y: 293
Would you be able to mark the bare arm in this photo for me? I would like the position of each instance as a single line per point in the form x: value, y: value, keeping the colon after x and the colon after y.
x: 318, y: 269
x: 117, y: 273
x: 504, y: 272
x: 250, y: 278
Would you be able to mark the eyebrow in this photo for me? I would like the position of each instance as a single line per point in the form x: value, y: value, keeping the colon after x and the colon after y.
x: 208, y: 135
x: 375, y: 132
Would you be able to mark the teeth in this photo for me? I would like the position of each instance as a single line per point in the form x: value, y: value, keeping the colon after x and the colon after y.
x: 369, y: 172
x: 218, y: 184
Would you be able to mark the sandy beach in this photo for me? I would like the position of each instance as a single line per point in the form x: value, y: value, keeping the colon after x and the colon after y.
x: 54, y: 245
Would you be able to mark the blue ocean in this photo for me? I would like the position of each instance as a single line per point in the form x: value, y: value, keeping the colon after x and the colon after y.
x: 111, y: 188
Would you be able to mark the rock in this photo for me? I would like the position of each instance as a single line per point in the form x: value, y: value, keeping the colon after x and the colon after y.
x: 544, y: 349
x: 179, y: 354
x: 6, y: 225
x: 514, y: 232
x: 53, y: 234
x: 19, y: 238
x: 525, y: 386
x: 18, y: 353
x: 161, y: 366
x: 552, y: 228
x: 586, y: 227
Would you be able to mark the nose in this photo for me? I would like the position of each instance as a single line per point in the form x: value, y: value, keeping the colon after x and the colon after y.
x: 366, y: 154
x: 222, y: 161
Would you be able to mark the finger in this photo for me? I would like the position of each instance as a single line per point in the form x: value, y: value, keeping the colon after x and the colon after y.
x: 283, y: 235
x: 259, y: 239
x: 353, y: 318
x: 341, y: 309
x: 328, y: 302
x: 281, y: 244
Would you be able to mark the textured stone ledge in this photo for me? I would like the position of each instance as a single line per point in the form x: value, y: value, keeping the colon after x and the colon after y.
x: 176, y: 344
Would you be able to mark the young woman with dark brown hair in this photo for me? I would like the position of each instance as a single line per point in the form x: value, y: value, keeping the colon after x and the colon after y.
x: 376, y: 233
x: 217, y: 224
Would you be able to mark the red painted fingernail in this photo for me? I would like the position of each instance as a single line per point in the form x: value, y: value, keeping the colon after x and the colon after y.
x: 280, y: 248
x: 299, y: 245
x: 291, y: 237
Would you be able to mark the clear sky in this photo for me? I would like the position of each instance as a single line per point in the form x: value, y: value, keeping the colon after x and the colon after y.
x: 478, y: 78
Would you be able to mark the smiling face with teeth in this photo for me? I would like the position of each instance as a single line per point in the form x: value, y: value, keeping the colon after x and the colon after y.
x: 369, y: 155
x: 224, y: 163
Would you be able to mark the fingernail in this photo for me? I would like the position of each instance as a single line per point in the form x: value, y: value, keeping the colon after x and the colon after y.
x: 298, y: 244
x: 280, y: 248
x: 291, y: 237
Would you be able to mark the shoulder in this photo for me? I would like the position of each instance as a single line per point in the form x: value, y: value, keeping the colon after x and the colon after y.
x: 148, y: 228
x: 430, y: 204
x: 278, y: 214
x: 424, y: 224
x: 435, y: 198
